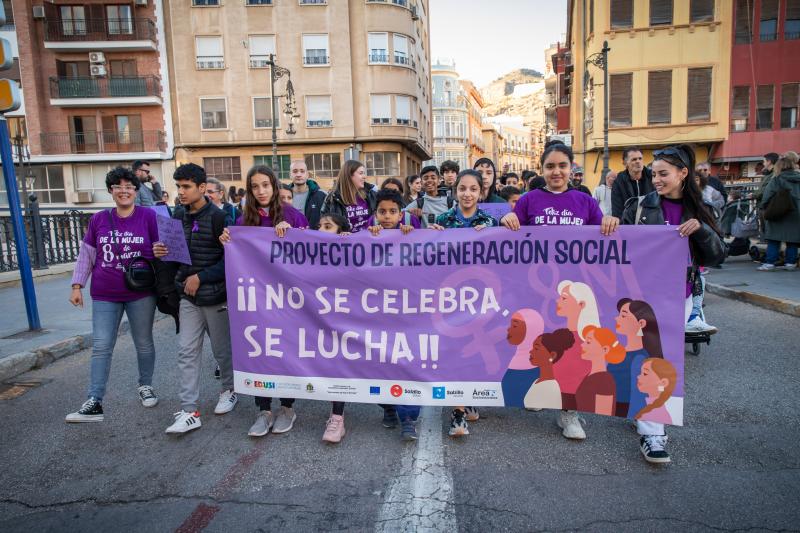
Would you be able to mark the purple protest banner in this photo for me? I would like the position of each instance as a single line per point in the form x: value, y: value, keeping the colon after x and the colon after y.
x: 497, y: 211
x: 553, y: 317
x: 170, y: 232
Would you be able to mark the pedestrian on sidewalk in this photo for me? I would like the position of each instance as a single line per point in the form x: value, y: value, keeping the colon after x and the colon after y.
x: 149, y: 192
x: 201, y: 287
x: 264, y: 208
x: 787, y: 228
x: 676, y: 201
x: 113, y: 237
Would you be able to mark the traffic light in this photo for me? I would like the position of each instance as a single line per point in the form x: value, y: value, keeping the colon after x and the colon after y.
x: 9, y: 90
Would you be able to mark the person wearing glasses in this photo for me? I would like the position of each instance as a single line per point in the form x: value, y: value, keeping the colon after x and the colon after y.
x: 703, y: 171
x: 677, y: 201
x: 216, y: 193
x: 113, y: 236
x: 149, y: 192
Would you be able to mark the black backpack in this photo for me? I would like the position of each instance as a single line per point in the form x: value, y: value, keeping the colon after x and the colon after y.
x: 450, y: 202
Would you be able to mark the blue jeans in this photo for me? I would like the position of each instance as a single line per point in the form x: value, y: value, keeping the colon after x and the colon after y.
x: 407, y: 411
x: 774, y: 250
x: 106, y: 317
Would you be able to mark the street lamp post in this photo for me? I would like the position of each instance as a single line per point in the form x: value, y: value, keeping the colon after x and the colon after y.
x: 277, y: 72
x: 600, y: 60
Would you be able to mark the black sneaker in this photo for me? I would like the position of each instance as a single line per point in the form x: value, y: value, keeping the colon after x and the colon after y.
x: 654, y: 448
x: 458, y: 424
x: 217, y: 373
x: 90, y: 411
x: 390, y: 418
x: 409, y: 431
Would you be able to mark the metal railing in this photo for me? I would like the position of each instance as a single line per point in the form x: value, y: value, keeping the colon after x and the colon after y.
x: 102, y: 142
x: 52, y: 239
x: 132, y: 29
x: 210, y: 62
x: 319, y: 123
x: 378, y: 57
x: 113, y: 87
x: 315, y: 60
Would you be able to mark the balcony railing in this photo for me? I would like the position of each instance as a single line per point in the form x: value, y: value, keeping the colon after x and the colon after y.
x: 791, y: 35
x: 87, y: 87
x: 210, y: 62
x: 768, y: 36
x: 315, y: 60
x: 259, y: 61
x: 319, y: 123
x: 378, y: 57
x: 403, y: 121
x: 61, y: 237
x: 102, y: 142
x: 381, y: 121
x: 138, y: 29
x: 401, y: 59
x: 313, y: 1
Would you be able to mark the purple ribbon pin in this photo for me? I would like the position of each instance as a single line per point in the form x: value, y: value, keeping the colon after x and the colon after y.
x: 195, y: 227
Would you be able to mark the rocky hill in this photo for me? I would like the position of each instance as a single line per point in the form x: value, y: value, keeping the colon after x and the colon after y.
x: 520, y: 93
x: 504, y: 85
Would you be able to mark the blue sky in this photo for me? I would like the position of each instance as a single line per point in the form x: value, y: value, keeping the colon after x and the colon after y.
x: 488, y: 38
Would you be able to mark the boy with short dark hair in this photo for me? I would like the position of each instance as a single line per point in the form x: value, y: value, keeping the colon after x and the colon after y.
x: 434, y: 203
x: 449, y: 171
x: 201, y: 287
x: 389, y: 214
x: 511, y: 195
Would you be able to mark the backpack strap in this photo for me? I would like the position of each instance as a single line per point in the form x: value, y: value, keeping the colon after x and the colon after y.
x: 406, y: 218
x: 639, y: 209
x: 450, y: 202
x: 420, y: 202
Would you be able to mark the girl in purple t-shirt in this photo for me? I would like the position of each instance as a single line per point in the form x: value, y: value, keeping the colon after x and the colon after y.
x: 263, y: 207
x: 559, y: 205
x: 112, y: 238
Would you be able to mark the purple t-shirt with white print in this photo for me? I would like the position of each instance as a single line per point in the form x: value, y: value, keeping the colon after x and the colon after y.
x: 134, y: 237
x: 570, y: 208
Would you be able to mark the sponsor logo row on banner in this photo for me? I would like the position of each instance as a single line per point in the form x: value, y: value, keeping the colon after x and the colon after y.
x: 370, y: 390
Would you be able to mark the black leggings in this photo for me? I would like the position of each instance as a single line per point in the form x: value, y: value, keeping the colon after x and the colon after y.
x: 264, y: 402
x: 337, y: 408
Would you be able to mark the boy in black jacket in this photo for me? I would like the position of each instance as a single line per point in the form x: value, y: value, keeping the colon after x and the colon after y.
x: 201, y: 287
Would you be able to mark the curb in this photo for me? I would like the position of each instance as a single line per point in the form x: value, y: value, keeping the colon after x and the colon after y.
x: 21, y: 362
x: 779, y: 305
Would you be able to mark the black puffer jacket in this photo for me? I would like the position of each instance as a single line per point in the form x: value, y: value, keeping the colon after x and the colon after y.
x: 334, y: 203
x: 314, y: 202
x: 708, y: 248
x: 202, y: 230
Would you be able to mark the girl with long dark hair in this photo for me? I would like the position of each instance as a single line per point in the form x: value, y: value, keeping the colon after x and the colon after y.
x: 263, y: 208
x: 353, y: 197
x: 676, y: 201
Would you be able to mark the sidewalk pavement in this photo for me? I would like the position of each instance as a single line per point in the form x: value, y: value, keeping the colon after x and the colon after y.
x: 738, y: 279
x: 67, y: 329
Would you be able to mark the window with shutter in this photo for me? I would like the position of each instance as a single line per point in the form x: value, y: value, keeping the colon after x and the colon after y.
x: 744, y: 21
x: 765, y: 95
x: 210, y: 54
x: 402, y: 106
x: 262, y: 112
x: 768, y: 30
x: 660, y: 12
x: 621, y: 14
x: 315, y: 49
x: 659, y: 97
x: 740, y: 110
x: 702, y: 11
x: 699, y: 95
x: 381, y: 109
x: 261, y: 47
x: 620, y: 99
x: 223, y: 168
x: 791, y: 26
x: 318, y: 111
x: 378, y: 44
x: 790, y: 103
x: 214, y: 114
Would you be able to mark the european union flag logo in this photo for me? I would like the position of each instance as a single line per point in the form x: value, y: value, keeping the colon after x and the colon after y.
x: 438, y: 393
x: 374, y: 391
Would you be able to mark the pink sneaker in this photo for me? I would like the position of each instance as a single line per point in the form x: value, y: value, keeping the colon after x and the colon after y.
x: 334, y: 429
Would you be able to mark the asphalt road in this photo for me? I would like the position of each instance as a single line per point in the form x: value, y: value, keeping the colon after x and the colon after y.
x: 735, y: 464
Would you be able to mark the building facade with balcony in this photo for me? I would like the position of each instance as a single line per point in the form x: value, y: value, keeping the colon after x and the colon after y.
x: 669, y: 74
x: 515, y: 144
x: 360, y: 78
x: 451, y: 117
x: 764, y: 87
x: 93, y: 78
x: 475, y: 106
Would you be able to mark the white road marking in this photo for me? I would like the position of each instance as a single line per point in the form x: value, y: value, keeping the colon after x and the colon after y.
x: 420, y: 498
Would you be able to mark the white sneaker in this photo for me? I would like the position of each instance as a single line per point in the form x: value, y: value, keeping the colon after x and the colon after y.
x: 790, y: 268
x: 766, y: 267
x: 184, y: 422
x: 227, y: 401
x: 698, y: 325
x: 262, y: 425
x: 570, y: 423
x: 147, y: 396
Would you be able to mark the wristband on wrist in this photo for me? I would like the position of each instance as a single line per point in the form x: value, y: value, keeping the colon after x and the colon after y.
x: 76, y: 286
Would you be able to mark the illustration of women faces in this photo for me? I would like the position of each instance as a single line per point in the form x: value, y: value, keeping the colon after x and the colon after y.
x: 597, y: 392
x: 526, y: 325
x: 576, y: 303
x: 547, y: 350
x: 636, y: 320
x: 657, y: 380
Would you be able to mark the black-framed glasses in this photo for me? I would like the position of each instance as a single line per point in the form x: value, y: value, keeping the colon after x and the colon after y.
x: 671, y: 153
x: 144, y: 170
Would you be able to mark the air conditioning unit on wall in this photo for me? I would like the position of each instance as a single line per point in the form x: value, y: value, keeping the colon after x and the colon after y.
x: 97, y: 57
x: 38, y: 12
x: 97, y: 70
x: 82, y: 197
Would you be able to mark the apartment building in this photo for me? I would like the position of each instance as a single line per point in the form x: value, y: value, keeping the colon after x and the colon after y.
x: 360, y: 85
x: 93, y: 84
